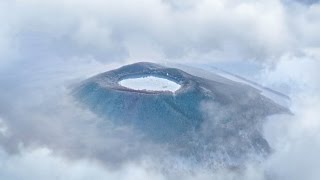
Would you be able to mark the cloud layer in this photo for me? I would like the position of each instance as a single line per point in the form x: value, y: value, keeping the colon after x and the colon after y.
x: 172, y: 29
x: 47, y: 46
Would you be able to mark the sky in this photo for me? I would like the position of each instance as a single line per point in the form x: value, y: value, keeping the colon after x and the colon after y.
x: 47, y: 46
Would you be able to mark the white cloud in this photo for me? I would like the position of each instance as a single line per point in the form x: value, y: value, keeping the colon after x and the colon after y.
x: 296, y: 138
x: 46, y: 46
x: 42, y: 164
x: 204, y: 30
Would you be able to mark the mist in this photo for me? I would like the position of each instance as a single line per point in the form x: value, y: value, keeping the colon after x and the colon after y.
x: 47, y: 47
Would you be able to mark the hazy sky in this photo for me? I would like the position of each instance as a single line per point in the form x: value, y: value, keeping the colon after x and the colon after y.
x: 48, y: 45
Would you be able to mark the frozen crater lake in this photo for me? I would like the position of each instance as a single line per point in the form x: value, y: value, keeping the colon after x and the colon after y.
x: 150, y: 83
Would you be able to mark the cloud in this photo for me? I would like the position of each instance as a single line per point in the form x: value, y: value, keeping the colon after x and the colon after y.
x: 47, y: 46
x: 41, y: 164
x: 176, y: 30
x: 37, y: 110
x: 296, y: 138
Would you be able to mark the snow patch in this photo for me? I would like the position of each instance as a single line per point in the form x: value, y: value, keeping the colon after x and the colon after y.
x: 150, y: 83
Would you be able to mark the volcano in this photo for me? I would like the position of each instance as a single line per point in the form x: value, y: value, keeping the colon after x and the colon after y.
x: 202, y: 116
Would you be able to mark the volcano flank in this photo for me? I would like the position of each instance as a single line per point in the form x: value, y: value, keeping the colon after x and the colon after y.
x: 204, y: 117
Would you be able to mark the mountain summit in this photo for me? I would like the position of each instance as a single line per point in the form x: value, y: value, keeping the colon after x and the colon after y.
x: 203, y: 118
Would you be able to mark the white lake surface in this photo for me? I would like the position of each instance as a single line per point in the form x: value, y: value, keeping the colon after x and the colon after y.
x: 150, y: 83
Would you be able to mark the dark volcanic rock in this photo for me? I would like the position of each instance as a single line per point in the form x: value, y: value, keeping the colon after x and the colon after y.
x: 205, y: 118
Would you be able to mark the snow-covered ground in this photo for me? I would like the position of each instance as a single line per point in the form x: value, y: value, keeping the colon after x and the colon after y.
x: 150, y: 83
x: 202, y: 71
x: 271, y: 94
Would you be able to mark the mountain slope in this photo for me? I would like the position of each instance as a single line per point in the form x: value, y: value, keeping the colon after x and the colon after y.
x: 216, y: 117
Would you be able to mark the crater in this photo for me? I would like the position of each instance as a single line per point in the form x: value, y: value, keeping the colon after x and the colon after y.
x: 150, y: 83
